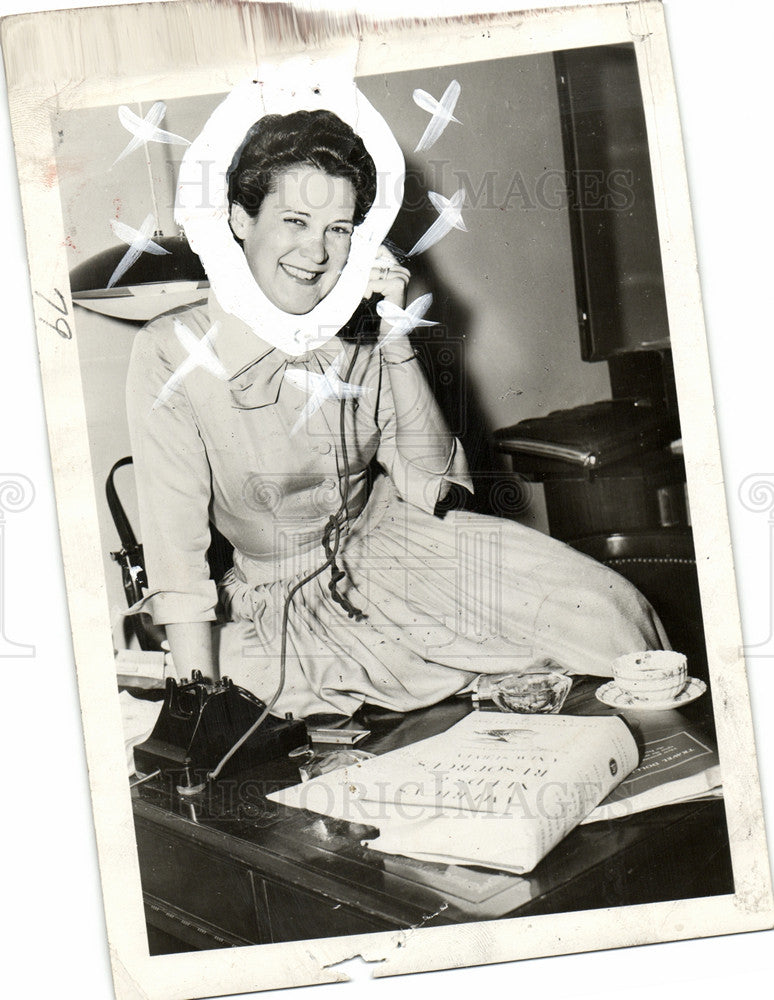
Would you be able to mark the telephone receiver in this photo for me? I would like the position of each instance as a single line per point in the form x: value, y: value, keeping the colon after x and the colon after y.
x: 199, y: 723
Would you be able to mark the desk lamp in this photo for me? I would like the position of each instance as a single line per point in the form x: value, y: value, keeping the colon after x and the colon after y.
x: 155, y: 282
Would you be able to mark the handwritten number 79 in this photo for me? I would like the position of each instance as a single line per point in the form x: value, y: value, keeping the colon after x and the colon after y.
x: 61, y: 325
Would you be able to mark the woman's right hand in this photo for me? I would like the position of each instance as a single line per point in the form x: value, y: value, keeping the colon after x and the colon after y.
x: 388, y: 279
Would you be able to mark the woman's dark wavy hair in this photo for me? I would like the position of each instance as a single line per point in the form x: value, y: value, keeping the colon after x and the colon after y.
x: 318, y: 139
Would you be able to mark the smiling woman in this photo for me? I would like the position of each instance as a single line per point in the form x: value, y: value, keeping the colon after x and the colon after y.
x: 298, y: 187
x: 342, y: 445
x: 298, y: 243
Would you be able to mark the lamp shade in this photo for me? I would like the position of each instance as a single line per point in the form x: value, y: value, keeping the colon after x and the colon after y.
x: 151, y: 286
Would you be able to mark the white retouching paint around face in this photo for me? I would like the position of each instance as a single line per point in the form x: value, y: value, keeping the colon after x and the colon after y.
x: 202, y: 197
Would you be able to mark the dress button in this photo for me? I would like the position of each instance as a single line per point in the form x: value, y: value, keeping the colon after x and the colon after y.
x: 325, y: 448
x: 329, y: 484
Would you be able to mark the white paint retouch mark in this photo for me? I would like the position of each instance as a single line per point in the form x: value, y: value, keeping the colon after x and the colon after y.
x: 146, y: 129
x: 139, y: 241
x: 403, y: 321
x: 449, y: 217
x: 441, y: 112
x: 200, y: 355
x: 322, y: 387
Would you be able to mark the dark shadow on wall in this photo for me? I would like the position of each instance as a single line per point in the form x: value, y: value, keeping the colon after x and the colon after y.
x: 442, y: 349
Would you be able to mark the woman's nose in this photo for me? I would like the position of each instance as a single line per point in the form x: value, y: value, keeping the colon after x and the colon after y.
x: 314, y: 249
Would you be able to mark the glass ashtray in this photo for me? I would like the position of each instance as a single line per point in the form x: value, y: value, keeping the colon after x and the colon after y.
x: 534, y: 692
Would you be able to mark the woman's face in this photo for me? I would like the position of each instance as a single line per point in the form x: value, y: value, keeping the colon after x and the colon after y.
x: 298, y: 243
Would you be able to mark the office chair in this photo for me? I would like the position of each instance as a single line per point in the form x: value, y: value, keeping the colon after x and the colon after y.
x: 130, y: 559
x: 661, y: 563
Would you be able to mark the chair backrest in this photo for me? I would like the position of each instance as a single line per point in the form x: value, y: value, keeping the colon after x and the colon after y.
x: 130, y: 558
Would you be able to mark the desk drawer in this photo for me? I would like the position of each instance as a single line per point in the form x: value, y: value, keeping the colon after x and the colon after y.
x: 202, y: 884
x: 297, y: 916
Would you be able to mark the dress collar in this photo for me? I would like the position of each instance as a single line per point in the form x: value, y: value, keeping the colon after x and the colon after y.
x: 256, y: 370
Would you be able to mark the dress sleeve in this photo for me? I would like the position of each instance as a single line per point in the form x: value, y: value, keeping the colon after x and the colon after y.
x: 415, y: 484
x: 172, y: 473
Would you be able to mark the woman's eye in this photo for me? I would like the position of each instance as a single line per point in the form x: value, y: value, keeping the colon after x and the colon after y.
x: 296, y: 222
x: 341, y: 230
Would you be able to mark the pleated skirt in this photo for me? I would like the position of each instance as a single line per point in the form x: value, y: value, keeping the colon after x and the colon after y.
x: 444, y: 599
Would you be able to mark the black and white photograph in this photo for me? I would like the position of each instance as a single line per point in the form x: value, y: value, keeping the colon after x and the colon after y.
x: 391, y: 507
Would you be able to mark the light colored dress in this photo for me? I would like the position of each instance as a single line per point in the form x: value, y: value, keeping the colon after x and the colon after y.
x: 444, y: 598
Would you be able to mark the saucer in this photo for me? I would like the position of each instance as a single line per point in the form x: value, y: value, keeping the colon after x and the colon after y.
x: 610, y: 694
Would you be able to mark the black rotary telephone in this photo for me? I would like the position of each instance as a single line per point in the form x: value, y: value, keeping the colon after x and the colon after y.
x: 199, y: 724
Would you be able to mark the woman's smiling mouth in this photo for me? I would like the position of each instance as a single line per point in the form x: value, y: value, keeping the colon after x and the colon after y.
x: 300, y: 273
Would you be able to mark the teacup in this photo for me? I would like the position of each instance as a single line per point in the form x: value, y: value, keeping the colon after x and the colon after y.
x: 652, y: 675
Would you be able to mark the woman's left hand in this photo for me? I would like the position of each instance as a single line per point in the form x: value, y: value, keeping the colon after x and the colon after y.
x: 388, y: 279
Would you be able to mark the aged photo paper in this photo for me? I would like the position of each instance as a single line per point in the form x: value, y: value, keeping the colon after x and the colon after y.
x: 503, y: 260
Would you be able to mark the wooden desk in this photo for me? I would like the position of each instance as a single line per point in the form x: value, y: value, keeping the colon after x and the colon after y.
x: 230, y: 868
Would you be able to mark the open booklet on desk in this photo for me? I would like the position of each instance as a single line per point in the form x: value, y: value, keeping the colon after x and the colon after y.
x: 679, y: 763
x: 495, y: 790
